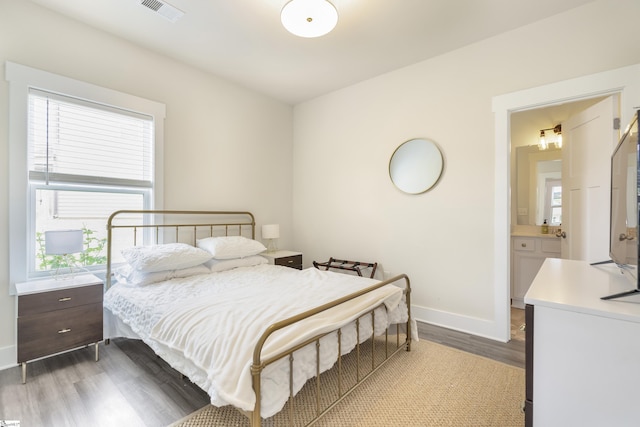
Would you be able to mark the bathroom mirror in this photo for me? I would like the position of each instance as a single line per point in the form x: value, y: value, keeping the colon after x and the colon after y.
x: 538, y: 176
x: 416, y: 166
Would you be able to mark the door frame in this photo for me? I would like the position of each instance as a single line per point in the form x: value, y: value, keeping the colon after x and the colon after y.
x: 624, y: 81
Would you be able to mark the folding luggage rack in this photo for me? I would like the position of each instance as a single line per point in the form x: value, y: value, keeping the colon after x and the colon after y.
x: 341, y: 264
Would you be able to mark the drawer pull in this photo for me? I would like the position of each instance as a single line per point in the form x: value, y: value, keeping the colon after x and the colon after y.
x: 290, y: 261
x: 64, y: 299
x: 64, y: 331
x: 524, y: 245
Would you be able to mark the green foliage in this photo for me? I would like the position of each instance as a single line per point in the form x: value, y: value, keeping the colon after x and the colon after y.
x: 92, y: 254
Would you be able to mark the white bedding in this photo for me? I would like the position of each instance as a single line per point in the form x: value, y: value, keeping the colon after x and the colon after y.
x: 201, y: 325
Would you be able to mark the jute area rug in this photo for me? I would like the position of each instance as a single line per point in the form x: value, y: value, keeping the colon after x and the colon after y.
x: 432, y: 385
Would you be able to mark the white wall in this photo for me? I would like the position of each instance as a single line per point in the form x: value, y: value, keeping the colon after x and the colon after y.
x: 225, y: 147
x: 345, y: 205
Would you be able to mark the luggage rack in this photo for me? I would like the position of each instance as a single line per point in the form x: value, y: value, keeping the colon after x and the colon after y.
x: 341, y: 264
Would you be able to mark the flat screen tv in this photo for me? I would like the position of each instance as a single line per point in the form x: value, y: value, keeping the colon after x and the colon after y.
x: 625, y: 206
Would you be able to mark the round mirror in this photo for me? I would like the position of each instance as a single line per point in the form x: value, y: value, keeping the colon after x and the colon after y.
x: 416, y: 166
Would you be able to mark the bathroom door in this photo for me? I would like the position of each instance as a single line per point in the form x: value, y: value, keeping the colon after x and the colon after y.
x: 588, y: 140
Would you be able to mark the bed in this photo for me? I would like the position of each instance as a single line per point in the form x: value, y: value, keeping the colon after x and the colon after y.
x: 193, y: 286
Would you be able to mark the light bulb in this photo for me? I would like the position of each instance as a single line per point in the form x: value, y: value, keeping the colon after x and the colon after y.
x: 543, y: 142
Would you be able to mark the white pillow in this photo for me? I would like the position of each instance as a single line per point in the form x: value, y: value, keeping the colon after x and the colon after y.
x: 217, y: 265
x: 170, y: 256
x: 128, y: 275
x: 229, y: 247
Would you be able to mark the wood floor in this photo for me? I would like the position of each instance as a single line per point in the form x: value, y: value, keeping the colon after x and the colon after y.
x: 132, y: 387
x: 511, y: 353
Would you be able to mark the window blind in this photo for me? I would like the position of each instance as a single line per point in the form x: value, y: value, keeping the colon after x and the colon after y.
x: 77, y: 141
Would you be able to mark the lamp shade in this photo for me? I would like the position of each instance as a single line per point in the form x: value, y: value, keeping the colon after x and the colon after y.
x: 63, y: 242
x: 271, y: 231
x: 309, y: 18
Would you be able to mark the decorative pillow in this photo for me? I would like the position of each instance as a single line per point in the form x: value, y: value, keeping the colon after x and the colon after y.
x: 127, y: 274
x: 170, y: 256
x: 217, y: 265
x: 229, y: 247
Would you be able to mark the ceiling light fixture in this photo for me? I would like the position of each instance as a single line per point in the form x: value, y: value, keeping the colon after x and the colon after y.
x: 309, y: 18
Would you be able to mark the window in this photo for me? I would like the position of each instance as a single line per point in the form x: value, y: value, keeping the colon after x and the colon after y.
x: 554, y: 201
x: 85, y: 161
x: 78, y: 153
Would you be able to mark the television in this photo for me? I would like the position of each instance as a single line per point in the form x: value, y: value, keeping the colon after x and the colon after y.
x: 625, y: 207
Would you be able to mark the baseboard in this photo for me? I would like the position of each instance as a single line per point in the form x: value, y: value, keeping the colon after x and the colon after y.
x: 8, y: 357
x: 518, y: 303
x: 472, y: 325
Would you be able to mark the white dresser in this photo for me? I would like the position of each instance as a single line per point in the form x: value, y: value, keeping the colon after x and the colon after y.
x: 583, y: 353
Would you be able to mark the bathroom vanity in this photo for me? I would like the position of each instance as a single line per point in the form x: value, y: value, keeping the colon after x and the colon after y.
x: 528, y: 252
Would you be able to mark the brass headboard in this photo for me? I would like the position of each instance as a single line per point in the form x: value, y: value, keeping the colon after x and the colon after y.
x: 167, y: 226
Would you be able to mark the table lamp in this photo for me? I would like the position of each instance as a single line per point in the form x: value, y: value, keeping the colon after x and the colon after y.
x: 63, y: 243
x: 271, y: 232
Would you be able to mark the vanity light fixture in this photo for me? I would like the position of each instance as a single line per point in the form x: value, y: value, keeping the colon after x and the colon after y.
x: 555, y: 138
x: 309, y: 18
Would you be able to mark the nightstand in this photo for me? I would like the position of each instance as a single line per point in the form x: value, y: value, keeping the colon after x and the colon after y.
x: 56, y: 315
x: 286, y: 258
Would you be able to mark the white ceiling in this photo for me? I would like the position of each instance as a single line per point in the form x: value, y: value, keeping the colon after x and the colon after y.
x: 244, y: 42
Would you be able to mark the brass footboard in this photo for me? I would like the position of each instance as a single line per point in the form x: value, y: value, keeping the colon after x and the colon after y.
x: 361, y: 373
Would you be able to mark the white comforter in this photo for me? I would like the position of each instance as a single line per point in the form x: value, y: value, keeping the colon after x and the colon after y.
x: 206, y: 326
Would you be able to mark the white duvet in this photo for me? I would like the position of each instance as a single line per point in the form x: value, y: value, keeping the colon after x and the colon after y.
x: 206, y: 326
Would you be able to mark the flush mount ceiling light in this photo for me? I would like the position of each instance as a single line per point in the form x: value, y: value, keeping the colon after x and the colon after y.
x: 309, y: 18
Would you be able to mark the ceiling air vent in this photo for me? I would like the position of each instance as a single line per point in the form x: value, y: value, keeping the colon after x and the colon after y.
x: 164, y: 9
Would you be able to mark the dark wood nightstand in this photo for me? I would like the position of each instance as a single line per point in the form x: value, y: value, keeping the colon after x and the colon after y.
x: 56, y: 315
x: 286, y: 258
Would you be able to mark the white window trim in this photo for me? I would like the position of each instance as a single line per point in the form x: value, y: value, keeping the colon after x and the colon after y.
x: 20, y: 79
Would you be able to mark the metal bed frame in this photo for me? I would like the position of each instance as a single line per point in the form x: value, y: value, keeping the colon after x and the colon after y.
x: 166, y: 226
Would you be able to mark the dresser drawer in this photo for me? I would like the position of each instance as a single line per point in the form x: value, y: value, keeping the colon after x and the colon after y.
x: 54, y: 331
x: 294, y: 261
x: 59, y: 300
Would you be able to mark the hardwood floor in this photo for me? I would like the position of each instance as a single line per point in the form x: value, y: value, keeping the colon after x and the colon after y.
x: 132, y: 387
x: 129, y: 386
x: 511, y: 353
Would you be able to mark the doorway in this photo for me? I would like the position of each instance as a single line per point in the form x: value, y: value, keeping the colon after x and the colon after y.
x: 530, y: 164
x: 536, y: 187
x: 624, y: 81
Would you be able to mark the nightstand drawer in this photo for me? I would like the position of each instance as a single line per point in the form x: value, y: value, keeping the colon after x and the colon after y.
x: 59, y: 300
x: 51, y: 332
x: 294, y: 261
